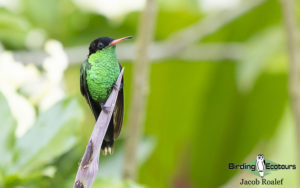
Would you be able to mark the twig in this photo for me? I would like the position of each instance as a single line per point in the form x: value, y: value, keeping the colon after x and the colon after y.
x: 213, y: 52
x: 141, y: 69
x: 292, y: 34
x: 126, y: 52
x: 89, y: 164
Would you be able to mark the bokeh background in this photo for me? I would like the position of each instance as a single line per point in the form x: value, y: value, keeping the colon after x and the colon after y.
x: 222, y: 97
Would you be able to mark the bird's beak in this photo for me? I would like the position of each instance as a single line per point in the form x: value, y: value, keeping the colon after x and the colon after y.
x: 114, y: 42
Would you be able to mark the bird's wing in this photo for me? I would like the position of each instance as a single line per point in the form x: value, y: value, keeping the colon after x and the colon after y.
x: 95, y: 107
x: 119, y: 110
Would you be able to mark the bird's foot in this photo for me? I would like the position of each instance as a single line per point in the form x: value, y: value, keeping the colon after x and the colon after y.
x: 107, y: 150
x: 105, y: 108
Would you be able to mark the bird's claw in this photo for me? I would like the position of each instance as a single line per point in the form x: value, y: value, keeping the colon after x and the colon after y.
x: 107, y: 150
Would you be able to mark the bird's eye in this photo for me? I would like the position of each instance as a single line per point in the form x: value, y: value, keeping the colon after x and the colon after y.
x: 100, y: 45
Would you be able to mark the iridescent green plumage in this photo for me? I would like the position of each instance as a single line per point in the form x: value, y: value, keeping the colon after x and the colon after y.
x: 103, y: 72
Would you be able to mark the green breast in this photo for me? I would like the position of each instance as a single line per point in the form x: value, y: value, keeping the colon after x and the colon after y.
x: 102, y: 73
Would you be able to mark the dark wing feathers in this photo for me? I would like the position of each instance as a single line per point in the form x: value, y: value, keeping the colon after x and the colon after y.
x: 119, y: 112
x: 95, y: 107
x: 117, y: 118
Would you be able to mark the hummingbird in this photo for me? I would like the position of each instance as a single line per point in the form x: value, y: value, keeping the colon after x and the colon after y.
x: 98, y: 74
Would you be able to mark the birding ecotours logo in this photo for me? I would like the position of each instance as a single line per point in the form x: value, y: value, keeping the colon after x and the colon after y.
x: 261, y: 167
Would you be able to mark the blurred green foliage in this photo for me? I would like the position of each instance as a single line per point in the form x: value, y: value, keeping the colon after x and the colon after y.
x: 25, y: 160
x: 201, y: 115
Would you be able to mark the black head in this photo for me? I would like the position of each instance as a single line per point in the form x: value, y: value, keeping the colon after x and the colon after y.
x: 103, y: 42
x: 99, y: 44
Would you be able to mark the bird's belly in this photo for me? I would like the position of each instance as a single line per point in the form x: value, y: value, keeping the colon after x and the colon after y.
x: 100, y: 82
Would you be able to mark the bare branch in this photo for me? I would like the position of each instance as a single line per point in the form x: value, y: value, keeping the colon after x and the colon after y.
x: 89, y: 164
x: 202, y: 52
x: 141, y: 69
x: 292, y: 34
x: 212, y: 52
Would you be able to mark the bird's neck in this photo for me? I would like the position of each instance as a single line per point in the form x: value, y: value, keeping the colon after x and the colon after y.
x: 107, y: 54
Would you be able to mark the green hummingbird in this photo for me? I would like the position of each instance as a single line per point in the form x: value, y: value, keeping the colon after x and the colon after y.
x: 98, y: 75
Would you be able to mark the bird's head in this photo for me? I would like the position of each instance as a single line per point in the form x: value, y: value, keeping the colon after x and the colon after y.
x: 104, y: 42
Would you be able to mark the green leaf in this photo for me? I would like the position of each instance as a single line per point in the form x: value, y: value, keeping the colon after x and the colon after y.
x: 7, y: 134
x: 183, y: 19
x: 241, y: 29
x: 52, y: 135
x: 14, y: 29
x: 260, y: 49
x: 115, y: 183
x: 33, y: 180
x: 172, y: 116
x: 38, y: 13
